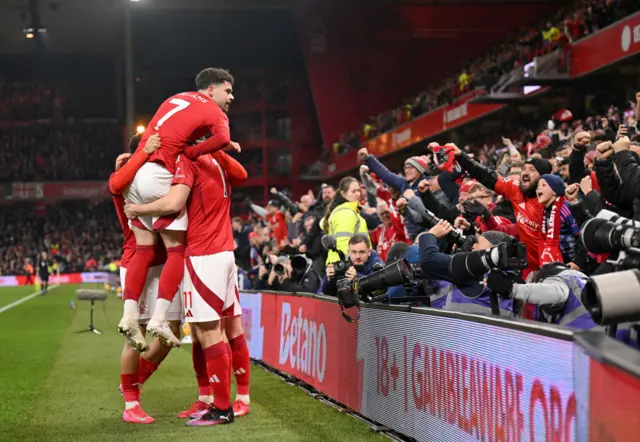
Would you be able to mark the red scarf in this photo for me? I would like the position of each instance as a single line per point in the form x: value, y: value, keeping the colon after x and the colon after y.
x: 550, y: 252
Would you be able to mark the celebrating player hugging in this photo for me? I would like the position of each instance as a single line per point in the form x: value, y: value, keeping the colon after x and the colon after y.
x: 165, y: 181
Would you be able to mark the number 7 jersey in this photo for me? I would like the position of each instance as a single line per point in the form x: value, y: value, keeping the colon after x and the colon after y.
x: 208, y: 206
x: 183, y: 119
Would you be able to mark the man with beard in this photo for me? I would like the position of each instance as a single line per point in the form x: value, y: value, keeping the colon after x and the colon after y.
x: 528, y: 210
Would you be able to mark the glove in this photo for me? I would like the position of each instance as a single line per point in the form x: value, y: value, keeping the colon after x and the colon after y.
x: 500, y: 283
x: 476, y: 208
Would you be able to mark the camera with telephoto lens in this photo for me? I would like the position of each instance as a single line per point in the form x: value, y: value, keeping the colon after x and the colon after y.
x: 610, y: 233
x: 613, y: 298
x: 373, y: 287
x: 510, y: 255
x: 455, y: 236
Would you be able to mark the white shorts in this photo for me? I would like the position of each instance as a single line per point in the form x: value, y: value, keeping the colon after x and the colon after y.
x: 147, y: 302
x: 152, y: 182
x: 210, y: 290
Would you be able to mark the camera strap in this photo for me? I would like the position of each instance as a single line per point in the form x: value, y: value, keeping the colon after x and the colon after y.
x: 346, y: 316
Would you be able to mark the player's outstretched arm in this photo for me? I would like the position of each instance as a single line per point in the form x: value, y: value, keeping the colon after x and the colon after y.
x: 219, y: 127
x: 236, y: 173
x: 172, y: 202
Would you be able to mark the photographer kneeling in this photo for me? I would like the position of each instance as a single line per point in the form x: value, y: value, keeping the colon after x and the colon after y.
x: 362, y: 261
x: 288, y: 274
x: 555, y: 290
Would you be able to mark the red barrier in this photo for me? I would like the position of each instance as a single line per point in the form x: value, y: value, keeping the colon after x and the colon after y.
x: 421, y: 128
x: 618, y: 41
x: 614, y: 404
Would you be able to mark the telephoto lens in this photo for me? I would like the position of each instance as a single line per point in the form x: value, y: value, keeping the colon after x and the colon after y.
x: 601, y: 235
x: 613, y: 298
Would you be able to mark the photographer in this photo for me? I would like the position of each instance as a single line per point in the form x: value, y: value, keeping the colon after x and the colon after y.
x: 555, y: 290
x: 466, y: 293
x: 363, y: 261
x: 288, y: 274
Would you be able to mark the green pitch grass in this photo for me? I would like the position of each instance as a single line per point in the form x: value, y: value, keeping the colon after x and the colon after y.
x: 56, y: 385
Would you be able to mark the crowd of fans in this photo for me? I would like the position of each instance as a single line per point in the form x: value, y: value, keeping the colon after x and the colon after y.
x: 537, y: 193
x: 564, y: 28
x: 79, y: 236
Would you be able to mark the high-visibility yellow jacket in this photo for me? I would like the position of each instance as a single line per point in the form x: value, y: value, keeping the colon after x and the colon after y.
x: 344, y: 222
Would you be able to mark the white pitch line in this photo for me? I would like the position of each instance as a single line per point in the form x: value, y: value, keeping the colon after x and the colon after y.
x: 25, y: 299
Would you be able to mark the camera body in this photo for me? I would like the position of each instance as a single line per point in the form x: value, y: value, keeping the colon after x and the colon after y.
x: 373, y: 287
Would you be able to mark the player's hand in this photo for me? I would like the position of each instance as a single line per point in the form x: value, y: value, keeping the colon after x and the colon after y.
x: 153, y: 144
x: 233, y: 146
x: 131, y: 210
x: 571, y: 192
x: 363, y: 154
x: 604, y: 150
x: 441, y: 229
x: 408, y: 194
x: 424, y: 186
x: 121, y: 160
x: 622, y: 144
x: 331, y: 271
x: 351, y: 273
x: 586, y: 185
x: 582, y: 140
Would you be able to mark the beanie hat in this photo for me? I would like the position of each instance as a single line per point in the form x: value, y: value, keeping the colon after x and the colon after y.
x: 466, y: 187
x: 555, y: 182
x: 418, y: 163
x: 495, y: 237
x: 542, y: 166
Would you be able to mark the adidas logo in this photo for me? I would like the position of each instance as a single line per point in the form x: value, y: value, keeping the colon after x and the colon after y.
x: 188, y: 314
x: 214, y: 378
x: 240, y: 371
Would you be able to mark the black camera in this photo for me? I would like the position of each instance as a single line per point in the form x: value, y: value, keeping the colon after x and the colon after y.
x: 373, y: 287
x: 469, y: 266
x: 455, y: 236
x: 611, y: 233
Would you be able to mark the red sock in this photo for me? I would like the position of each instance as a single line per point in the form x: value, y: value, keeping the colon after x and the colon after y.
x: 218, y: 363
x: 172, y: 273
x: 200, y: 367
x: 240, y: 360
x: 137, y: 272
x: 230, y: 362
x: 147, y: 368
x: 130, y: 388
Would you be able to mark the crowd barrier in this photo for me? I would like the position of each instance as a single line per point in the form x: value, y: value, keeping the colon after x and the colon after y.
x: 445, y: 376
x: 64, y: 278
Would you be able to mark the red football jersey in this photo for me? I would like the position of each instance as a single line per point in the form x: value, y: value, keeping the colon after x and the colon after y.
x: 129, y: 244
x: 183, y: 119
x: 208, y: 206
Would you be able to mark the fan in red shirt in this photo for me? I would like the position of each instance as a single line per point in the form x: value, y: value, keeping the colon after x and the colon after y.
x: 277, y: 222
x: 522, y: 195
x: 210, y: 286
x: 389, y: 232
x: 180, y: 120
